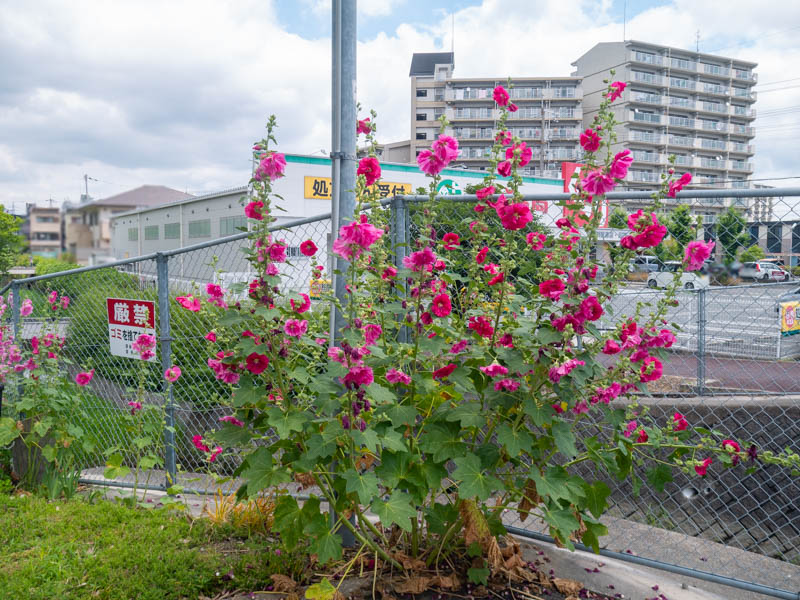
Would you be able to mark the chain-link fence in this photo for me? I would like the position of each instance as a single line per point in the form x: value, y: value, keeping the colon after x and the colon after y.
x: 732, y: 369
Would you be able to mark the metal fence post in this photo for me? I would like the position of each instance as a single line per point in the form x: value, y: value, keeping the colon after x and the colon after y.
x: 400, y: 237
x: 15, y: 305
x: 162, y: 275
x: 701, y: 341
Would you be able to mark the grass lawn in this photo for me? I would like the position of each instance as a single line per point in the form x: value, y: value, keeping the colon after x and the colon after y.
x: 76, y: 549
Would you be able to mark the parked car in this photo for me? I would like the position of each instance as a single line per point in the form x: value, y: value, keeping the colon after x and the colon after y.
x: 792, y: 295
x: 763, y: 271
x: 664, y: 277
x: 645, y: 264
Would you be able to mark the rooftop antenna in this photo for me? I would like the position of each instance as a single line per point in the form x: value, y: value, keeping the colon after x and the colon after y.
x: 697, y: 41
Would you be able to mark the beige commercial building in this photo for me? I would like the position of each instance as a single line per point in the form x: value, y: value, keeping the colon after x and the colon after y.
x: 548, y: 120
x: 44, y: 231
x: 88, y: 226
x: 699, y: 107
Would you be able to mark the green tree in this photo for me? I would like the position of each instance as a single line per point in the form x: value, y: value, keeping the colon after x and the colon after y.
x: 752, y: 254
x: 618, y: 219
x: 10, y: 240
x: 731, y: 234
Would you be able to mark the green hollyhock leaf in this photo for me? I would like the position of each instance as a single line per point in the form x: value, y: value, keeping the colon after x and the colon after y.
x: 380, y: 394
x: 260, y: 472
x: 397, y: 510
x: 326, y: 545
x: 595, y: 498
x: 444, y: 441
x: 285, y: 422
x: 364, y: 485
x: 401, y: 415
x: 540, y: 414
x: 394, y: 468
x: 658, y: 476
x: 323, y: 590
x: 515, y: 442
x: 440, y: 517
x: 558, y: 484
x: 246, y: 393
x: 474, y: 482
x: 469, y: 414
x: 231, y: 435
x: 564, y: 438
x: 8, y: 431
x: 591, y: 537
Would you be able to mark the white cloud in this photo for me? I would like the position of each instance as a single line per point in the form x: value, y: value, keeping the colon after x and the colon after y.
x: 174, y: 93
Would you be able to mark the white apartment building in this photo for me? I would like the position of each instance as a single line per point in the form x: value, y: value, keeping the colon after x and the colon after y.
x: 548, y: 120
x: 699, y: 107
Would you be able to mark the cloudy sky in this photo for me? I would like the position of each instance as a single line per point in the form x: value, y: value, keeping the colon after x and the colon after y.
x: 174, y: 92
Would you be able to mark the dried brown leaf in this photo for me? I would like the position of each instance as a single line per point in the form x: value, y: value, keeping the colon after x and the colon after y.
x: 283, y: 583
x: 447, y: 582
x: 494, y: 555
x: 365, y: 462
x: 409, y: 564
x: 306, y: 480
x: 476, y: 528
x: 530, y: 500
x: 413, y: 585
x: 568, y: 587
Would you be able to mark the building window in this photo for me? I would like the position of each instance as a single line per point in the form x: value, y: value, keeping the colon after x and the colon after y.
x: 774, y: 234
x: 230, y: 225
x: 133, y: 234
x: 46, y: 219
x: 422, y: 117
x: 422, y: 93
x: 438, y: 95
x: 421, y: 135
x: 198, y: 229
x: 151, y: 232
x: 172, y: 231
x: 753, y: 235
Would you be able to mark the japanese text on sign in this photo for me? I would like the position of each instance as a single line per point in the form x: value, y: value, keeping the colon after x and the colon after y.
x: 319, y: 188
x: 127, y: 320
x: 789, y: 318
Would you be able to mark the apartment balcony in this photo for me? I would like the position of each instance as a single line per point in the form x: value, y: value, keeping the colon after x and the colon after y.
x: 645, y: 138
x: 472, y: 114
x: 563, y: 134
x: 563, y: 93
x: 683, y: 161
x: 526, y: 114
x: 563, y: 113
x: 561, y: 154
x: 645, y: 58
x: 643, y: 117
x: 683, y: 103
x: 742, y: 75
x: 647, y: 78
x: 682, y: 122
x: 683, y: 142
x: 740, y: 185
x: 714, y: 89
x: 743, y: 94
x: 682, y: 64
x: 717, y: 126
x: 740, y: 148
x: 742, y: 130
x: 642, y: 98
x: 712, y: 107
x: 742, y: 112
x: 682, y: 84
x: 712, y: 144
x: 710, y: 163
x: 643, y: 177
x: 648, y: 157
x: 467, y: 94
x: 715, y: 70
x: 738, y: 165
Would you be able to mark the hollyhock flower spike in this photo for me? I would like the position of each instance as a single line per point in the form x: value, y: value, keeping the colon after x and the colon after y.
x: 696, y: 254
x: 211, y: 336
x: 135, y: 407
x: 619, y: 166
x: 501, y: 96
x: 363, y: 126
x: 397, y: 376
x: 677, y: 185
x: 429, y: 163
x: 444, y: 372
x: 295, y: 328
x: 515, y: 216
x: 256, y: 363
x: 451, y: 241
x: 253, y: 210
x: 598, y: 183
x: 271, y: 166
x: 445, y: 149
x: 504, y: 168
x: 536, y: 240
x: 441, y: 305
x: 370, y: 169
x: 172, y: 374
x: 26, y: 308
x: 679, y: 422
x: 616, y: 90
x: 84, y: 378
x: 589, y: 140
x: 189, y: 303
x: 300, y: 307
x: 214, y: 454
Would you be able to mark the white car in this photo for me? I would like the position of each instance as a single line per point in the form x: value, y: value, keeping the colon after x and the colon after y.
x: 763, y: 271
x: 689, y: 280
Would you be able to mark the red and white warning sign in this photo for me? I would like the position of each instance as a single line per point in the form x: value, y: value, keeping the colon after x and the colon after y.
x: 127, y: 320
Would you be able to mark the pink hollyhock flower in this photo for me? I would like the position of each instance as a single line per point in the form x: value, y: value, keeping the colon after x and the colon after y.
x: 256, y: 363
x: 703, y: 467
x: 172, y: 374
x: 271, y: 166
x: 277, y: 252
x: 214, y: 290
x: 679, y: 422
x: 651, y: 369
x: 35, y: 345
x: 52, y: 298
x: 551, y: 288
x: 64, y: 302
x: 147, y: 355
x: 696, y: 254
x: 419, y: 260
x: 556, y: 373
x: 504, y: 168
x: 731, y: 446
x: 445, y: 149
x: 358, y: 376
x: 515, y: 216
x: 371, y: 333
x: 459, y: 347
x: 395, y: 376
x: 651, y: 236
x: 512, y: 107
x: 500, y: 95
x: 481, y: 325
x: 189, y: 303
x: 308, y: 248
x: 643, y: 437
x: 211, y: 336
x: 616, y: 90
x: 677, y: 185
x: 336, y: 354
x: 630, y: 428
x: 144, y: 342
x: 135, y: 407
x: 295, y: 327
x: 494, y: 370
x: 363, y: 126
x: 370, y: 169
x: 441, y: 305
x: 84, y: 378
x: 506, y: 385
x: 444, y: 372
x: 26, y: 308
x: 589, y: 140
x: 232, y: 420
x: 634, y: 220
x: 504, y: 137
x: 214, y: 454
x: 611, y: 347
x: 485, y: 192
x: 426, y: 318
x: 505, y: 340
x: 481, y: 256
x: 591, y: 309
x: 271, y: 270
x: 301, y: 307
x: 521, y: 150
x: 197, y: 440
x: 451, y: 241
x: 253, y: 210
x: 356, y: 237
x: 536, y: 240
x: 428, y: 163
x: 389, y: 272
x: 598, y: 183
x: 619, y: 166
x: 499, y: 278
